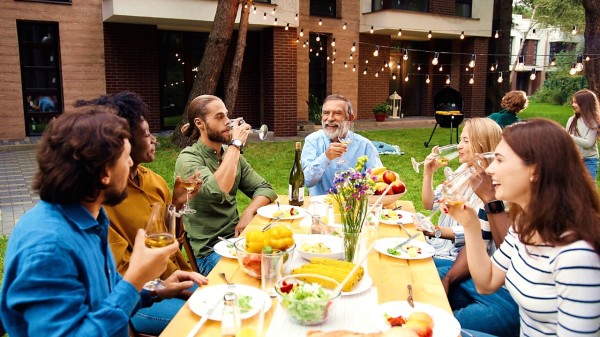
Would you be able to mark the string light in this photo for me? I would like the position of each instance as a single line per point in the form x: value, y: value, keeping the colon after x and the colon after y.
x: 472, y: 62
x: 301, y: 32
x: 365, y: 72
x: 377, y: 74
x: 376, y: 52
x: 317, y: 54
x: 553, y: 62
x: 587, y: 58
x: 367, y: 61
x: 333, y: 42
x: 351, y: 56
x: 334, y: 51
x: 353, y: 49
x: 532, y: 76
x: 398, y: 66
x: 574, y: 31
x: 318, y: 38
x: 371, y: 30
x: 354, y: 69
x: 429, y: 35
x: 441, y: 67
x: 405, y: 56
x: 393, y: 76
x: 521, y: 64
x: 287, y: 26
x: 296, y: 18
x: 345, y: 64
x: 467, y: 69
x: 264, y: 16
x: 344, y: 26
x: 273, y: 11
x: 427, y: 79
x: 297, y: 40
x: 579, y: 65
x: 500, y: 79
x: 254, y: 9
x: 496, y: 35
x: 462, y: 35
x: 573, y: 70
x: 472, y: 79
x: 447, y: 79
x: 399, y: 32
x: 435, y: 59
x: 406, y: 78
x: 275, y: 23
x: 419, y: 67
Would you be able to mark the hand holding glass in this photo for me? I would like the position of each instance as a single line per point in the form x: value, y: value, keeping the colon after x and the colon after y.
x: 345, y: 132
x: 189, y: 180
x: 160, y: 232
x: 444, y: 155
x: 262, y: 132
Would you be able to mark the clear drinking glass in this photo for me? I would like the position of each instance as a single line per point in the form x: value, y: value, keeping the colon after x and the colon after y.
x: 345, y: 134
x: 160, y: 232
x: 445, y: 154
x: 189, y: 179
x: 262, y: 132
x: 461, y: 187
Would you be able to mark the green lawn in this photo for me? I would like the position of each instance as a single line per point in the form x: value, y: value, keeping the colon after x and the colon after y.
x: 273, y: 160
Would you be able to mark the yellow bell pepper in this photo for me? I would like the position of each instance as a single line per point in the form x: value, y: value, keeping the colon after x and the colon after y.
x: 279, y: 237
x: 255, y: 241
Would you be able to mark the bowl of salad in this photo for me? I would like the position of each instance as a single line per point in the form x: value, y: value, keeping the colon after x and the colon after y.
x: 307, y: 299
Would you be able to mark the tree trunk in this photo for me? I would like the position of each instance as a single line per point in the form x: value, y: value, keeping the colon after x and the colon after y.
x: 592, y: 43
x: 212, y: 61
x: 234, y: 78
x: 532, y: 23
x: 502, y: 21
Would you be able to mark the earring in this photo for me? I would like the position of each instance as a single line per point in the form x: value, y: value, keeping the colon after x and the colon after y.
x: 531, y: 179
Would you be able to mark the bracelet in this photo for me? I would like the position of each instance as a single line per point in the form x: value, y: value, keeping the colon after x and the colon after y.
x: 494, y: 206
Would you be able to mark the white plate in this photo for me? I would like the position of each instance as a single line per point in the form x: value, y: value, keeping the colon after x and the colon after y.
x: 444, y: 323
x: 382, y: 246
x: 404, y: 217
x: 268, y: 211
x: 222, y: 248
x: 365, y: 283
x: 334, y: 243
x: 323, y: 198
x: 204, y: 297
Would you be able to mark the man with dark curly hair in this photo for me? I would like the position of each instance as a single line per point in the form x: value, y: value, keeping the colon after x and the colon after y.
x: 512, y: 103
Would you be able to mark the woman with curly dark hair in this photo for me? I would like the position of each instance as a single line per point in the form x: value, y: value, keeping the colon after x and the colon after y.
x: 512, y: 103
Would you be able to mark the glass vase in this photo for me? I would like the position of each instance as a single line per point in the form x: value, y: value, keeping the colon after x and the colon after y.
x: 350, y: 245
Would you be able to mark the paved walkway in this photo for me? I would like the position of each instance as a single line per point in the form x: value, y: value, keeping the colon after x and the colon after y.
x: 18, y: 165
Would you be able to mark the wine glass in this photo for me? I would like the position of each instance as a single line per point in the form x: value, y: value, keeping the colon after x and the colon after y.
x: 262, y: 132
x: 189, y: 180
x: 160, y: 232
x: 445, y: 154
x: 345, y: 134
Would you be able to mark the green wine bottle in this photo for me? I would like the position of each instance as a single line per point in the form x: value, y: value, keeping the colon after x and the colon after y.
x: 296, y: 186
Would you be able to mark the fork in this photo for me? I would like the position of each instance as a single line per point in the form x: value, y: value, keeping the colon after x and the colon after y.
x: 404, y: 228
x: 271, y: 223
x: 409, y: 299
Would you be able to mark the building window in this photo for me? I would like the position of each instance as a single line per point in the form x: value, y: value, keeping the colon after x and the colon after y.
x: 407, y: 5
x: 560, y: 47
x: 530, y: 51
x: 463, y: 8
x: 323, y: 8
x: 263, y: 1
x: 40, y: 74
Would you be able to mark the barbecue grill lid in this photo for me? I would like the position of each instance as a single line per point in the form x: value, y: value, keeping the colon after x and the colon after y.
x: 448, y: 99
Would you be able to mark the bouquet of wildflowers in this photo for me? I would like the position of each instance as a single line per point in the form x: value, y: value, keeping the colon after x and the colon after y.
x: 350, y: 190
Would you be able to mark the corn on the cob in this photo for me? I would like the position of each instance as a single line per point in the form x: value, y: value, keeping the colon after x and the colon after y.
x: 328, y: 267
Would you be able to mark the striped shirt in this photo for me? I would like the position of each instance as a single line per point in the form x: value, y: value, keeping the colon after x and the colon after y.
x: 557, y: 288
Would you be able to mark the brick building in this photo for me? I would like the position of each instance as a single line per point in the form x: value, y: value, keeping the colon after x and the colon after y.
x: 54, y: 52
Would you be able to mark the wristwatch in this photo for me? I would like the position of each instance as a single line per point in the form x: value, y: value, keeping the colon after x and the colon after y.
x: 153, y: 296
x: 494, y: 206
x: 437, y: 233
x: 238, y: 143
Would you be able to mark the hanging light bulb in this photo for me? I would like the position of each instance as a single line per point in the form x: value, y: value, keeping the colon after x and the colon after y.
x: 472, y: 62
x: 427, y: 79
x: 441, y: 67
x: 317, y: 54
x: 297, y: 40
x: 353, y: 49
x: 587, y: 58
x: 462, y: 35
x: 447, y: 79
x: 429, y: 35
x: 406, y: 78
x: 351, y: 56
x: 333, y: 61
x: 376, y: 52
x: 333, y: 42
x: 344, y: 26
x: 496, y: 35
x: 254, y: 9
x: 354, y: 69
x: 573, y: 70
x: 320, y: 22
x: 264, y: 16
x: 574, y: 31
x: 275, y: 22
x: 521, y: 64
x: 405, y: 56
x: 365, y: 72
x: 510, y: 67
x: 296, y: 18
x: 393, y: 76
x: 532, y: 76
x: 579, y: 65
x: 287, y: 26
x: 273, y: 11
x: 345, y: 64
x: 500, y: 79
x: 310, y: 50
x: 367, y: 61
x: 385, y: 65
x: 371, y: 30
x: 492, y: 67
x: 399, y: 32
x: 533, y: 32
x: 334, y: 51
x: 328, y: 57
x: 301, y: 32
x: 419, y: 67
x: 377, y: 74
x: 398, y: 66
x: 472, y: 79
x: 467, y: 69
x: 304, y: 45
x: 391, y: 64
x: 318, y: 38
x: 553, y: 61
x: 435, y: 59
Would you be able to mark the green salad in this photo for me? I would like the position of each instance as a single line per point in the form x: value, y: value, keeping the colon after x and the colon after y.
x: 306, y: 303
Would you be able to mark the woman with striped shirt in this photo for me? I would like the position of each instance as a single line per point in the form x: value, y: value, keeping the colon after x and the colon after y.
x: 550, y: 259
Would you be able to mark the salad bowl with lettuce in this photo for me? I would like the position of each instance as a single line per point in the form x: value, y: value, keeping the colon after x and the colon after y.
x: 307, y: 303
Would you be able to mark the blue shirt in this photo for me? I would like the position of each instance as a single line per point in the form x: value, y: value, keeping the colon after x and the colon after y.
x: 60, y: 277
x: 319, y: 171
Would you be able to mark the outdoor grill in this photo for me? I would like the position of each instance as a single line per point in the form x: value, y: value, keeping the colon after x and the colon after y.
x: 448, y: 105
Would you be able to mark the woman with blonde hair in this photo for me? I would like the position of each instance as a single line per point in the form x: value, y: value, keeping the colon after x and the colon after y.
x: 550, y: 259
x: 512, y: 103
x: 583, y: 127
x: 479, y: 135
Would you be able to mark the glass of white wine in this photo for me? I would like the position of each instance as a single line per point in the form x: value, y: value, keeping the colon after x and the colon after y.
x: 262, y: 132
x: 445, y: 154
x: 189, y: 180
x: 160, y: 232
x: 460, y: 188
x: 345, y: 134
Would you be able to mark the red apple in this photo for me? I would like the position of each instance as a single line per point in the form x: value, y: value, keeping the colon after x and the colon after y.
x: 380, y: 188
x: 389, y: 176
x: 398, y: 187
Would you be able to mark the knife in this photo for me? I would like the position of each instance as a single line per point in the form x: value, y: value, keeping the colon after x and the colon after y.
x: 398, y: 246
x: 204, y: 318
x: 271, y: 223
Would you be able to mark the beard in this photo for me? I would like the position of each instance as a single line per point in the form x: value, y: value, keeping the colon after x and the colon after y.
x: 113, y: 197
x: 329, y: 133
x: 217, y: 136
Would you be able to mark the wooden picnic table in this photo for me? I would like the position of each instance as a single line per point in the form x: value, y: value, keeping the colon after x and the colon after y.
x: 390, y: 275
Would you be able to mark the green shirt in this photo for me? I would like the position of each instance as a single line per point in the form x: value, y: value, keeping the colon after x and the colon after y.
x: 216, y: 211
x: 504, y: 118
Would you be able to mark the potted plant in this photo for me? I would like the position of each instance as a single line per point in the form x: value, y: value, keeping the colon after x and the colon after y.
x: 381, y: 110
